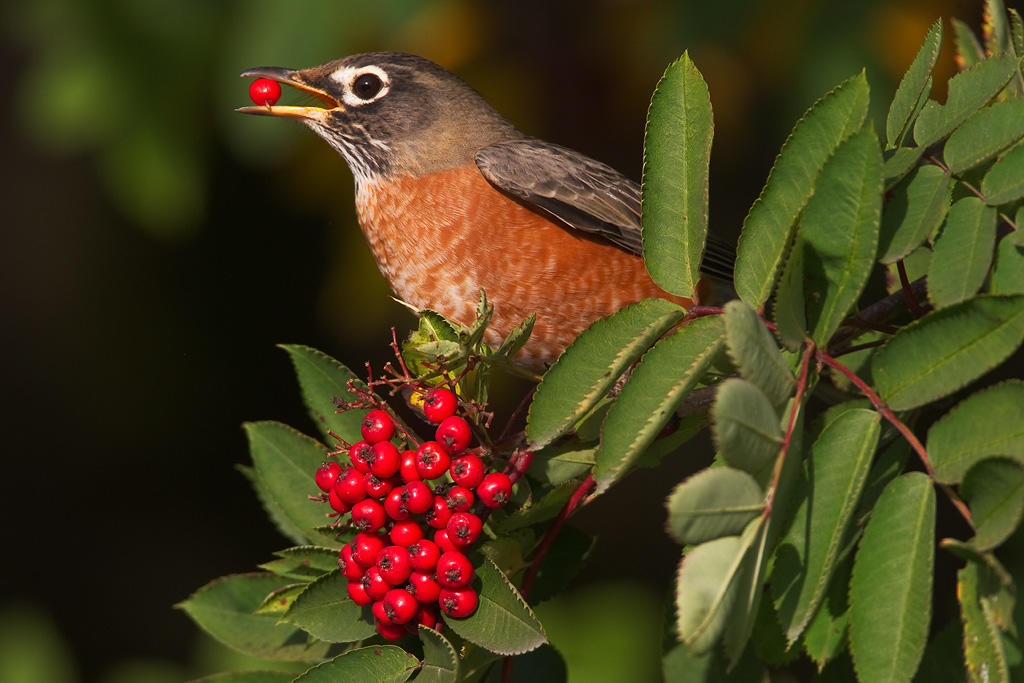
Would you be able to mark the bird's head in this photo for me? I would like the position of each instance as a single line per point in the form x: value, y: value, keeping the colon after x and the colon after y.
x: 390, y: 114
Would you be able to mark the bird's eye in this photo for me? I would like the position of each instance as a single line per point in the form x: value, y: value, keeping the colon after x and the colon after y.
x: 366, y: 86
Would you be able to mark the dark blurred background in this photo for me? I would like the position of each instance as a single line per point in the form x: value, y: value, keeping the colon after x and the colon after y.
x: 156, y: 246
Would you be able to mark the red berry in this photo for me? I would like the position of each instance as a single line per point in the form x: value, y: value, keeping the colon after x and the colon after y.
x: 361, y: 455
x: 264, y: 91
x: 378, y: 611
x: 368, y: 515
x: 350, y: 569
x: 444, y: 543
x: 365, y: 548
x: 377, y: 487
x: 390, y: 631
x: 394, y: 505
x: 349, y: 486
x: 439, y: 513
x: 432, y: 460
x: 458, y: 602
x: 357, y: 591
x: 467, y: 470
x: 454, y: 434
x: 406, y: 533
x: 424, y: 587
x: 463, y: 528
x: 377, y: 426
x: 439, y: 404
x: 495, y: 490
x: 407, y: 470
x: 393, y: 563
x: 385, y: 459
x: 454, y: 570
x: 417, y: 498
x: 326, y: 475
x: 337, y: 504
x: 375, y: 584
x: 427, y: 615
x: 399, y: 606
x: 459, y: 499
x: 423, y: 555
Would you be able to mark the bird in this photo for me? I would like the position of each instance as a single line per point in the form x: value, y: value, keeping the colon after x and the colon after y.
x: 453, y: 199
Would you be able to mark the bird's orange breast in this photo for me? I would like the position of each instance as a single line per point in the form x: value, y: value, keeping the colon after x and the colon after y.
x: 440, y: 238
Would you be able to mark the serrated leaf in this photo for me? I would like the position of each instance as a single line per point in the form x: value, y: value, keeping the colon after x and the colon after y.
x: 715, y: 502
x: 558, y: 464
x: 994, y: 28
x: 769, y: 225
x: 934, y: 356
x: 985, y: 424
x: 373, y: 664
x: 982, y: 136
x: 648, y: 400
x: 806, y: 557
x: 224, y: 609
x: 247, y: 677
x: 749, y: 587
x: 280, y: 600
x: 503, y: 623
x: 315, y: 557
x: 440, y: 663
x: 706, y: 587
x: 825, y: 634
x: 745, y: 426
x: 915, y: 83
x: 1008, y: 272
x: 983, y: 647
x: 943, y: 657
x: 590, y: 366
x: 325, y: 610
x: 788, y: 307
x: 1016, y: 31
x: 321, y: 379
x: 284, y: 460
x: 677, y: 150
x: 914, y: 212
x: 277, y: 516
x: 962, y: 253
x: 969, y: 51
x: 548, y: 507
x: 994, y: 491
x: 1004, y: 182
x: 517, y: 338
x: 753, y: 350
x: 968, y: 92
x: 899, y: 163
x: 839, y: 229
x: 891, y: 588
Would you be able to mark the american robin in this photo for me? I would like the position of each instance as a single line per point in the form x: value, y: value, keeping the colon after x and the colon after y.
x: 452, y: 198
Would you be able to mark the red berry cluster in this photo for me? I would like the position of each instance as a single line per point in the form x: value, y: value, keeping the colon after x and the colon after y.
x: 391, y: 565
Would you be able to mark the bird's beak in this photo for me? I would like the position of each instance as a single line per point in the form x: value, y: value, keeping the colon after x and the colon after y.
x: 294, y: 79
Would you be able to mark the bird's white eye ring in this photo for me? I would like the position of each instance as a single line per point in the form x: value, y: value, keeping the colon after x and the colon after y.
x: 361, y: 84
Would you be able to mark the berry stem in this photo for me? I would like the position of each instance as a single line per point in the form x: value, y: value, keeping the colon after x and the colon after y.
x: 908, y: 293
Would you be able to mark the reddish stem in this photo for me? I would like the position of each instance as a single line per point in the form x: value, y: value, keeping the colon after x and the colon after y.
x: 701, y: 311
x: 902, y: 428
x: 801, y: 388
x: 860, y: 347
x: 908, y: 294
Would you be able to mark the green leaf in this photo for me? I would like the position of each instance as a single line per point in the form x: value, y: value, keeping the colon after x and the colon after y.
x: 706, y: 587
x: 968, y: 92
x: 994, y: 491
x: 280, y: 600
x: 789, y: 313
x: 715, y: 502
x: 503, y: 623
x: 995, y: 29
x: 591, y: 365
x: 899, y: 163
x: 746, y: 427
x: 916, y: 83
x: 891, y: 588
x: 749, y: 587
x: 768, y: 226
x: 648, y: 400
x: 326, y: 611
x: 566, y: 557
x: 985, y: 424
x: 224, y: 609
x: 373, y: 664
x: 986, y: 133
x: 943, y: 658
x: 248, y: 677
x: 440, y: 663
x: 272, y: 508
x: 753, y: 350
x: 807, y: 555
x: 677, y: 150
x: 968, y: 50
x: 1016, y: 32
x: 825, y: 636
x: 539, y: 511
x: 943, y: 351
x: 284, y: 461
x: 517, y: 338
x: 322, y: 379
x: 1004, y: 182
x: 962, y: 253
x: 558, y: 464
x: 311, y: 556
x: 983, y: 647
x: 1008, y: 272
x: 914, y: 212
x: 839, y: 229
